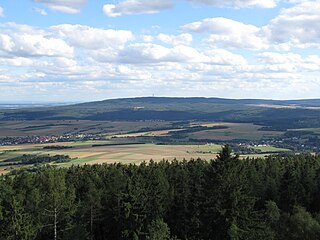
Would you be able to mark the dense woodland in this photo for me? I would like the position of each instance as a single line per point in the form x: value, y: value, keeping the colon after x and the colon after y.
x: 226, y: 198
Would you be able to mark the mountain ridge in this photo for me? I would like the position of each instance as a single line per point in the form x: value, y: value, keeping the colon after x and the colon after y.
x: 275, y: 113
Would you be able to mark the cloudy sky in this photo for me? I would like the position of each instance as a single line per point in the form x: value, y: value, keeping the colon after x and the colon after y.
x: 83, y: 50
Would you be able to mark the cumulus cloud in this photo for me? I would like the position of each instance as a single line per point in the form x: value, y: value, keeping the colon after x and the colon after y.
x: 70, y: 6
x: 67, y: 59
x: 23, y: 41
x: 136, y: 7
x: 224, y: 57
x: 148, y: 53
x: 289, y: 62
x: 296, y: 27
x: 17, y: 62
x: 181, y: 39
x: 229, y: 33
x: 1, y: 12
x: 156, y: 55
x: 92, y: 38
x: 279, y: 58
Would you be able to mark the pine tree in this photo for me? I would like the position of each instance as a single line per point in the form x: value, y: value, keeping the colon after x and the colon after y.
x: 229, y: 202
x: 158, y: 230
x: 19, y: 223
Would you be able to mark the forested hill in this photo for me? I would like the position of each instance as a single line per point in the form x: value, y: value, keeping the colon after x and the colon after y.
x: 265, y: 112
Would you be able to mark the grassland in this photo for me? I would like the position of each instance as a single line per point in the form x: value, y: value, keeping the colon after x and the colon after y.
x: 270, y: 149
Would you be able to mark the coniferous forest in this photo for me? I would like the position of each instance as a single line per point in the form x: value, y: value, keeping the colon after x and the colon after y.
x: 225, y: 198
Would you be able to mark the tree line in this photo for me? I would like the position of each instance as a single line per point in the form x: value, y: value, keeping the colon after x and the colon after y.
x: 225, y: 198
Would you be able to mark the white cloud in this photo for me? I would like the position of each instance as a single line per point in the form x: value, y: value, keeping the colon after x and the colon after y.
x: 17, y: 61
x: 70, y: 6
x: 23, y: 41
x: 296, y: 1
x: 289, y: 62
x: 296, y: 27
x: 92, y: 38
x: 136, y: 7
x: 148, y: 38
x: 278, y: 58
x: 229, y: 33
x: 40, y: 11
x: 224, y: 57
x: 155, y: 6
x: 175, y: 39
x: 156, y: 55
x: 147, y: 53
x: 238, y: 3
x: 181, y: 39
x: 1, y: 12
x: 67, y: 59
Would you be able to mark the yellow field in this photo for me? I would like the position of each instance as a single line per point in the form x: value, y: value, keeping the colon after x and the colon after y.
x: 148, y: 133
x: 84, y: 153
x: 142, y: 152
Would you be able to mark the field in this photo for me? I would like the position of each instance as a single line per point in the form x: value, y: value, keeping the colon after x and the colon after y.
x: 270, y: 149
x: 97, y: 152
x: 240, y: 131
x: 313, y: 130
x: 85, y: 153
x: 133, y: 141
x: 148, y: 133
x: 179, y: 131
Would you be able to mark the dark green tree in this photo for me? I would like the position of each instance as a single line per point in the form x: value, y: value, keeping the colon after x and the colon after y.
x: 158, y: 230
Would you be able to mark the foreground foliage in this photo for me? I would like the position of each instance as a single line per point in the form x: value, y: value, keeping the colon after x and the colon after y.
x: 226, y: 198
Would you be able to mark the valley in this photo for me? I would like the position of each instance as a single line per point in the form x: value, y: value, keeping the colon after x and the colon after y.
x: 155, y: 130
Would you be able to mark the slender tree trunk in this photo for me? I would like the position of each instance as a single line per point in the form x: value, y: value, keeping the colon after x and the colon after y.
x: 91, y: 220
x: 55, y: 223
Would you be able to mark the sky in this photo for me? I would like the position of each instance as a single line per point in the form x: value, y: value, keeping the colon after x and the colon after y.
x: 87, y: 50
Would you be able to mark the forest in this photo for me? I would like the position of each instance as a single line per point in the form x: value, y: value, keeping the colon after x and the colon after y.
x: 225, y: 198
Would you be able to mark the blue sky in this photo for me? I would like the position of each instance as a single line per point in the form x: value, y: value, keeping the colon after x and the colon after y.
x: 84, y: 50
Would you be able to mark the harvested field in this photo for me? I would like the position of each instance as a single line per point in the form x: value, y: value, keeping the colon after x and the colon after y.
x: 144, y: 152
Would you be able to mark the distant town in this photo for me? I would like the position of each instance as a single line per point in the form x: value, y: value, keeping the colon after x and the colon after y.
x: 7, y: 141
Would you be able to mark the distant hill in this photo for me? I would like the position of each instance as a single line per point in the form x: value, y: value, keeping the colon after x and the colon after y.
x: 277, y: 114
